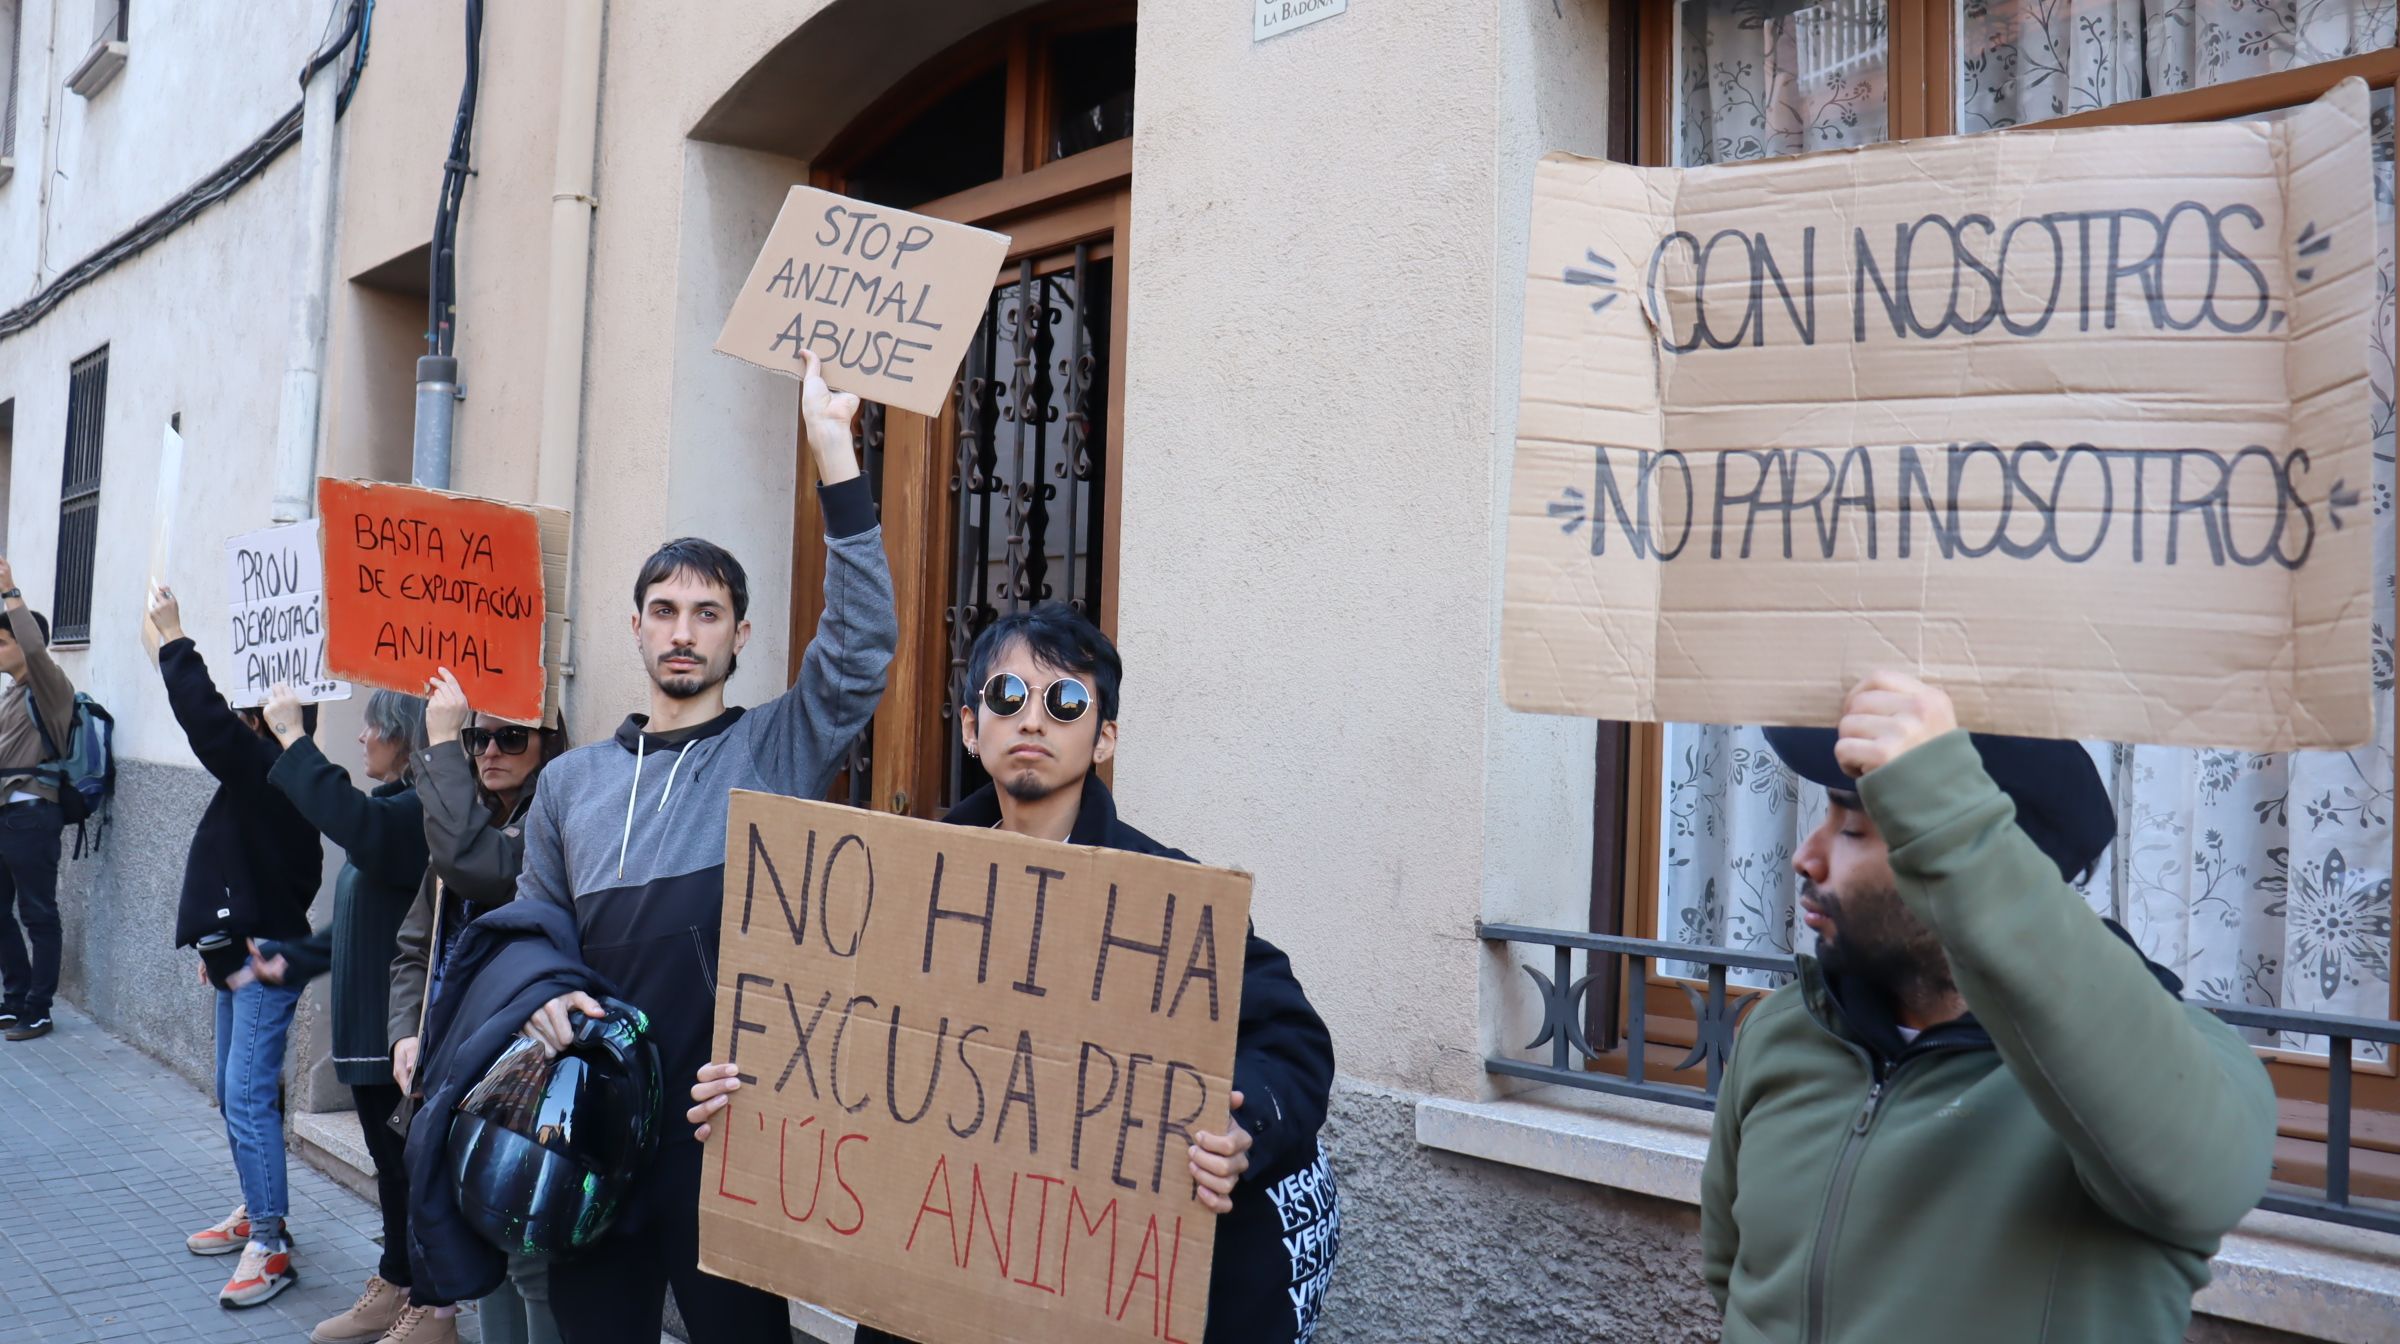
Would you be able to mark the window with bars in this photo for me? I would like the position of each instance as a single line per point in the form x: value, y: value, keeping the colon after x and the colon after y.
x: 2263, y: 880
x: 79, y: 499
x: 12, y: 13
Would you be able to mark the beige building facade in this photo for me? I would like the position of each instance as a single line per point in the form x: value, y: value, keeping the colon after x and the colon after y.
x: 1279, y: 281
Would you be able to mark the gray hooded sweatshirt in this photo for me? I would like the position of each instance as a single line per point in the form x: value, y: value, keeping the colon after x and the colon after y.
x: 629, y: 834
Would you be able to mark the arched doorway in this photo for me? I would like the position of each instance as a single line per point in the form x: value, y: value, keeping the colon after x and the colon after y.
x: 1009, y: 497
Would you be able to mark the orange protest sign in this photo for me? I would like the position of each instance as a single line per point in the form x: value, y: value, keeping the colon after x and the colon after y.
x: 417, y: 580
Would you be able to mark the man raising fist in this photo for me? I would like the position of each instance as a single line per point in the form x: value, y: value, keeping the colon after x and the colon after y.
x: 626, y: 838
x: 1980, y: 1113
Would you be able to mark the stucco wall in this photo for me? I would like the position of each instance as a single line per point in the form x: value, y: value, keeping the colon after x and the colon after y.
x: 189, y: 97
x: 195, y: 325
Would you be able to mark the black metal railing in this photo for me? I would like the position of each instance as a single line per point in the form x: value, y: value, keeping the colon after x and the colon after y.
x: 1716, y: 1012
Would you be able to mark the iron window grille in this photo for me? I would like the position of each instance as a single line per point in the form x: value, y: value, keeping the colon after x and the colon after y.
x: 1716, y: 1012
x: 1027, y: 467
x: 79, y: 499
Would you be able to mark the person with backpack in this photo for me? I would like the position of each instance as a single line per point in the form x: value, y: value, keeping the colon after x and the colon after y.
x: 39, y: 712
x: 254, y: 870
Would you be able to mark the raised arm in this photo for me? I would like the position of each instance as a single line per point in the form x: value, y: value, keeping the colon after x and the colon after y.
x: 385, y: 837
x: 841, y: 678
x: 226, y: 746
x: 53, y: 694
x: 2167, y: 1115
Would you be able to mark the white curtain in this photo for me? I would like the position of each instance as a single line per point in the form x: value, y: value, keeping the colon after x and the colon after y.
x: 1759, y: 78
x: 2025, y: 60
x: 2261, y: 879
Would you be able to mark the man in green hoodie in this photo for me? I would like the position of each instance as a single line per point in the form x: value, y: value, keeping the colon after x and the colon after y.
x: 1980, y: 1114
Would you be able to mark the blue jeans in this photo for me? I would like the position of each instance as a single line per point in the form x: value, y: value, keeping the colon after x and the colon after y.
x: 252, y: 1025
x: 29, y: 883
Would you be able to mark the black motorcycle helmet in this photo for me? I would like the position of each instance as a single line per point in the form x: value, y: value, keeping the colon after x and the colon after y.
x: 544, y: 1150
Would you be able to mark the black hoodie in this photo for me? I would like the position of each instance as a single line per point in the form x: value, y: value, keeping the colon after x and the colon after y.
x: 255, y: 863
x: 1275, y: 1250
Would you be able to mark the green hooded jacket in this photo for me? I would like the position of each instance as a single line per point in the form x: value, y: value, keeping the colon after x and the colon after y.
x: 2061, y: 1167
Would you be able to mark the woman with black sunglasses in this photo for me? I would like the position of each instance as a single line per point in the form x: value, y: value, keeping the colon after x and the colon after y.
x: 476, y: 775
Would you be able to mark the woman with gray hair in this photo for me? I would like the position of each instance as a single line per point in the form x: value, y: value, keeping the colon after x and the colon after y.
x: 382, y: 835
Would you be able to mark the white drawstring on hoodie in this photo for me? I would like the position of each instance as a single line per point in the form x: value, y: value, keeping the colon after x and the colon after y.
x: 640, y: 742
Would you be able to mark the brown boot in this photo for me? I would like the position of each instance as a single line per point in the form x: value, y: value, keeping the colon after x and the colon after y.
x: 367, y: 1319
x: 418, y: 1325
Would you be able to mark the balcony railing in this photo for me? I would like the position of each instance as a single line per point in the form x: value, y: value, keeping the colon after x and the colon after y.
x: 1716, y: 1011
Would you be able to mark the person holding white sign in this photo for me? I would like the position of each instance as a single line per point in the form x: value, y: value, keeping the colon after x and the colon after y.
x: 38, y: 713
x: 628, y: 837
x: 1980, y: 1113
x: 1044, y: 721
x: 253, y: 872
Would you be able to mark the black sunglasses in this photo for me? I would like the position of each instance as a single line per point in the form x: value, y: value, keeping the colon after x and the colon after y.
x: 511, y: 741
x: 1066, y: 698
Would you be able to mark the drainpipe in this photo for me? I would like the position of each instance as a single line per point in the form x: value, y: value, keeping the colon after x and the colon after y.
x: 571, y: 207
x: 304, y: 364
x: 437, y: 414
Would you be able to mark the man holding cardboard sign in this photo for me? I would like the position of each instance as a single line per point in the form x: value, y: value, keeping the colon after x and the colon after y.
x: 629, y: 836
x: 1980, y: 1113
x: 2104, y: 388
x: 907, y: 1255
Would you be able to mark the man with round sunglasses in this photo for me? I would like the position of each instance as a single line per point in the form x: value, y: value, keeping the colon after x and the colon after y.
x: 627, y: 837
x: 1042, y: 722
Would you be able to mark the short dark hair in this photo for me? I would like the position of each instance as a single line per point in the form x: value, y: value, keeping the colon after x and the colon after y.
x: 1058, y: 636
x: 703, y: 560
x: 40, y: 622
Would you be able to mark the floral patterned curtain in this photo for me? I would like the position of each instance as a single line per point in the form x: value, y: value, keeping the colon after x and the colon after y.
x: 2261, y: 879
x: 1759, y: 78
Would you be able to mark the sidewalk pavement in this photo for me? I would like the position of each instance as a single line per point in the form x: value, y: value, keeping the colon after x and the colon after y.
x: 108, y: 1159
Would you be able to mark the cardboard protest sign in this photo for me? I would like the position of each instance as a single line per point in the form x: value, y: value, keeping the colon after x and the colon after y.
x: 275, y: 588
x: 424, y: 579
x: 2073, y: 423
x: 887, y: 299
x: 972, y: 1063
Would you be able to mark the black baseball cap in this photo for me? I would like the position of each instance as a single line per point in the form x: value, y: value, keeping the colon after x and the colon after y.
x: 2061, y: 803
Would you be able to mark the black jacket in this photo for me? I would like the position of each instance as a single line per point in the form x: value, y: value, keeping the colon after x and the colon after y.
x: 506, y: 964
x: 1276, y: 1249
x: 383, y: 836
x: 255, y: 863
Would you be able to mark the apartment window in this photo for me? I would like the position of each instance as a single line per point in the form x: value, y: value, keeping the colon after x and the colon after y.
x: 12, y: 13
x: 2263, y: 879
x: 111, y: 27
x: 79, y: 499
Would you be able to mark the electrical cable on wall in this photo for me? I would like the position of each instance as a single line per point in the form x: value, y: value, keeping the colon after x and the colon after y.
x: 228, y: 178
x: 441, y: 291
